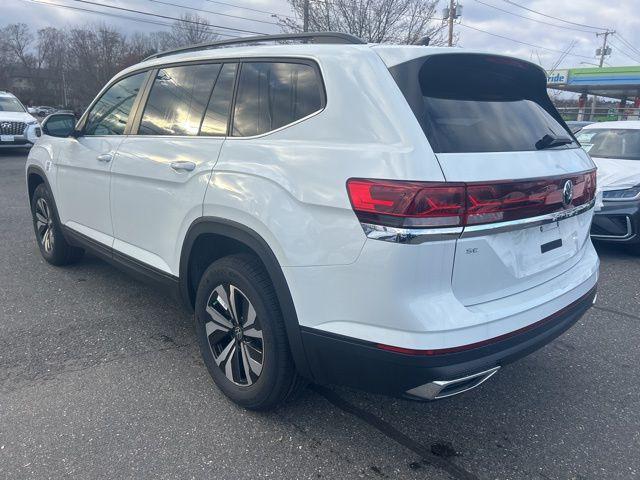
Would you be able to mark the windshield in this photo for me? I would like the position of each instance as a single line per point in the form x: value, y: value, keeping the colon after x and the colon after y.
x: 480, y: 103
x: 10, y: 104
x: 611, y: 143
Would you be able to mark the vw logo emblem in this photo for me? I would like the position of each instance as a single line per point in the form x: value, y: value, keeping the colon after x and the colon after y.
x: 567, y: 193
x: 6, y: 125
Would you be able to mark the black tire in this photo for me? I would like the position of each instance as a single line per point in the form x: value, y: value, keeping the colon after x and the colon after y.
x: 51, y: 242
x: 277, y: 378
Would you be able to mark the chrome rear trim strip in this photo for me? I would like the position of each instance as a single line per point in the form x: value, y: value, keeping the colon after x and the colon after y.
x: 412, y: 236
x: 490, y: 228
x: 415, y: 236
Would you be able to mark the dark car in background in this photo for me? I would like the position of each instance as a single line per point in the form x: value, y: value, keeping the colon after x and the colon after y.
x: 615, y: 148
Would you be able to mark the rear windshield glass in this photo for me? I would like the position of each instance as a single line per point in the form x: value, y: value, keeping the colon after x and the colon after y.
x: 480, y: 103
x: 611, y: 143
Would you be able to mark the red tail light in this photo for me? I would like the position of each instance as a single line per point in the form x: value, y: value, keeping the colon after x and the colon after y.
x: 425, y: 204
x: 417, y: 204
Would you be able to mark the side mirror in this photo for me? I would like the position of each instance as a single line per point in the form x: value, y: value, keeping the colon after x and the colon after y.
x: 59, y: 125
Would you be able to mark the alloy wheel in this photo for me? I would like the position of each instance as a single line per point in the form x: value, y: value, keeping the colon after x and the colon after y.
x: 234, y: 335
x: 44, y: 224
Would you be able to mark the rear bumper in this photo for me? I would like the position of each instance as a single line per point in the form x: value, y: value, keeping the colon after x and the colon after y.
x: 617, y: 222
x: 342, y: 360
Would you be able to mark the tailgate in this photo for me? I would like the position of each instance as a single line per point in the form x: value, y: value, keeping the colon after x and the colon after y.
x: 493, y: 128
x: 503, y: 258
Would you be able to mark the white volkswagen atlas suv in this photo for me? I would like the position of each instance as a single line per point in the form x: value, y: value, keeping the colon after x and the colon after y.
x: 401, y: 219
x: 18, y: 129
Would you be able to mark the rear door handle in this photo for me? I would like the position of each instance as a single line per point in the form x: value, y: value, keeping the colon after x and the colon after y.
x: 183, y: 165
x: 105, y: 157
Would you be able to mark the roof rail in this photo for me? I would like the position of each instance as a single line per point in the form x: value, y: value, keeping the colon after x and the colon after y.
x: 306, y: 37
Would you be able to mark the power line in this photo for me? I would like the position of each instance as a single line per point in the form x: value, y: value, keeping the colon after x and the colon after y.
x: 624, y: 52
x: 523, y: 43
x: 266, y: 12
x: 628, y: 44
x: 212, y: 12
x: 140, y: 12
x: 534, y: 19
x: 510, y: 2
x: 115, y: 15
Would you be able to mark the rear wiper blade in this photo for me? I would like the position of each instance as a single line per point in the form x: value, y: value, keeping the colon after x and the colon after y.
x: 550, y: 141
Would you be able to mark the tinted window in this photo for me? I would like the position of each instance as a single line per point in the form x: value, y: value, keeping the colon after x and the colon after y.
x: 110, y: 114
x: 479, y: 103
x: 217, y: 115
x: 177, y: 100
x: 611, y: 143
x: 271, y: 95
x: 486, y: 126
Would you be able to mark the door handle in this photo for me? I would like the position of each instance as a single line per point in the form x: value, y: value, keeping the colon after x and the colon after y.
x: 105, y: 157
x: 183, y: 165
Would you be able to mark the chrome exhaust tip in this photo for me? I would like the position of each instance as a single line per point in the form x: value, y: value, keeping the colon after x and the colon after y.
x: 447, y: 388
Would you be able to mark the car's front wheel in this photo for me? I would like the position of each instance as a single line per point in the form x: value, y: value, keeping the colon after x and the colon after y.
x: 242, y: 335
x: 51, y: 242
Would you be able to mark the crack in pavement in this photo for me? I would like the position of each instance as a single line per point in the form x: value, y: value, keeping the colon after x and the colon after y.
x: 455, y: 471
x: 26, y: 382
x: 617, y: 312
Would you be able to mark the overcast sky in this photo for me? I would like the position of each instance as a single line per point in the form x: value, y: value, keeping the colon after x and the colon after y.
x: 619, y: 15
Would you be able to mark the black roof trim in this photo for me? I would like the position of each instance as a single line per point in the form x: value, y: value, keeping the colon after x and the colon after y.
x: 306, y: 37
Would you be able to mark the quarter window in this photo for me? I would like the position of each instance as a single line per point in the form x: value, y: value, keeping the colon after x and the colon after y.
x: 274, y: 94
x: 110, y: 114
x: 178, y: 100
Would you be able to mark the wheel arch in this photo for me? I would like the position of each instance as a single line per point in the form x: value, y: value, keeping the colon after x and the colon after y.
x: 35, y: 176
x: 223, y: 237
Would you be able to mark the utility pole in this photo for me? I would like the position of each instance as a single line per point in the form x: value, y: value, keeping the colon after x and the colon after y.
x: 305, y: 16
x: 602, y: 52
x: 450, y: 14
x: 452, y: 10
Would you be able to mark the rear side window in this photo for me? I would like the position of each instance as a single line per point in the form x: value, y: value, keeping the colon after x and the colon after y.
x: 216, y: 117
x: 110, y: 114
x: 274, y: 94
x: 479, y: 103
x: 178, y: 99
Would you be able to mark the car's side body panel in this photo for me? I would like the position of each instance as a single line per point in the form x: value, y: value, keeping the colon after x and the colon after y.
x: 152, y: 203
x: 289, y: 185
x: 83, y: 182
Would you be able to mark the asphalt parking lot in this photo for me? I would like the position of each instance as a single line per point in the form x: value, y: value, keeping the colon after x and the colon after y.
x: 101, y: 377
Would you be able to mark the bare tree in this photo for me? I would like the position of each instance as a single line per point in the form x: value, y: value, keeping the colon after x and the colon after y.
x: 51, y: 63
x: 69, y: 66
x: 191, y: 30
x: 96, y: 54
x: 161, y: 41
x: 375, y: 21
x: 18, y: 41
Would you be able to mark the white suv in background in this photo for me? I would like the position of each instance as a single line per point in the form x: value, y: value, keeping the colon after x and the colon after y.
x: 400, y: 219
x: 18, y: 129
